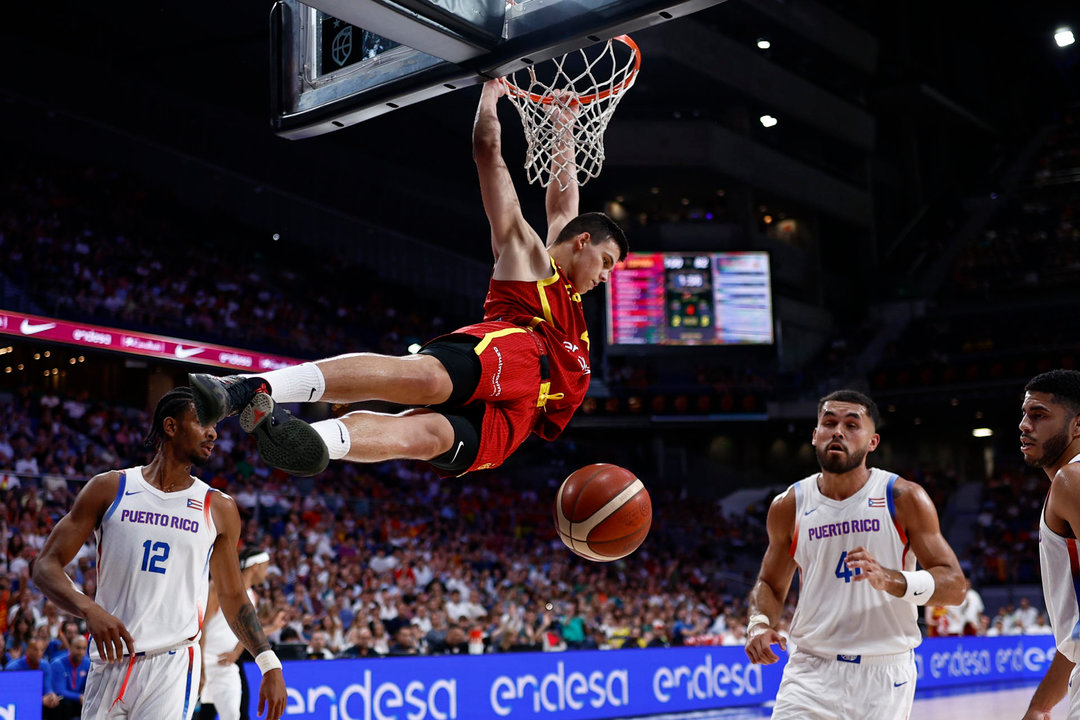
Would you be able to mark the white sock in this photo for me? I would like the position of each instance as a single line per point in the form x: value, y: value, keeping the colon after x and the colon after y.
x: 298, y: 383
x: 335, y: 435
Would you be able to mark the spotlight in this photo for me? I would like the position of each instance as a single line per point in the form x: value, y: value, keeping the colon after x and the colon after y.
x: 768, y: 120
x: 1063, y: 36
x: 982, y: 432
x: 763, y: 44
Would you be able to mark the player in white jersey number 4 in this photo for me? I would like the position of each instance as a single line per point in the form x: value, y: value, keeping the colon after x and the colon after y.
x: 854, y: 534
x: 155, y: 526
x: 1050, y: 439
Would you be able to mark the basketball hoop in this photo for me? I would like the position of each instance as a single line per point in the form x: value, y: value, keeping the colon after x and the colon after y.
x: 566, y: 104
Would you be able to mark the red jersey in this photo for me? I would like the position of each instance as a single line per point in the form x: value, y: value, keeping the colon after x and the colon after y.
x: 552, y: 308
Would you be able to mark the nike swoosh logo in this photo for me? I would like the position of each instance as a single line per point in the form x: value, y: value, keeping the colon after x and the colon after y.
x: 183, y: 352
x: 311, y: 395
x: 130, y: 492
x: 900, y: 684
x: 340, y: 431
x: 461, y: 444
x: 809, y: 511
x: 920, y: 592
x: 28, y: 328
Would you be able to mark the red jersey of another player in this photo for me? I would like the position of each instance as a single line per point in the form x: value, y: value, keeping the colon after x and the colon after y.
x: 552, y: 307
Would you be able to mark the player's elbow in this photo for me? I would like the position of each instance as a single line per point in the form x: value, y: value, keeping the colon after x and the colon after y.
x: 39, y: 569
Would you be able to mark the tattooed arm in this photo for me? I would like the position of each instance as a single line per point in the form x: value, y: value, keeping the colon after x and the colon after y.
x: 237, y: 609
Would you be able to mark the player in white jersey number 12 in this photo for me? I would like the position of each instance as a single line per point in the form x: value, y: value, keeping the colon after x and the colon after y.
x: 156, y: 528
x: 854, y: 533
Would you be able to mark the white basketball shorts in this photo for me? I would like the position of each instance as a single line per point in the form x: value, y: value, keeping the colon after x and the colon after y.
x: 223, y: 689
x: 162, y: 685
x: 853, y: 688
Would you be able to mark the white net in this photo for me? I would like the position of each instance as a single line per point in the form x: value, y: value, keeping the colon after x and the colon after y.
x: 566, y: 104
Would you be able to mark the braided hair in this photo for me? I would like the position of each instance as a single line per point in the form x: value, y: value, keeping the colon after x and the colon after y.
x: 172, y: 404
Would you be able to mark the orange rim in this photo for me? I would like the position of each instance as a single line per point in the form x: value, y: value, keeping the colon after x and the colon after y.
x: 585, y: 99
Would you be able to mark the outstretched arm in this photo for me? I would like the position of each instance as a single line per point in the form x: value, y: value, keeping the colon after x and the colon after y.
x: 238, y: 610
x: 766, y: 602
x: 916, y: 514
x: 109, y: 633
x: 511, y: 236
x: 562, y: 192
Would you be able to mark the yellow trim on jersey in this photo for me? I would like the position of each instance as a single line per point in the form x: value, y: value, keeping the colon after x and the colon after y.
x: 585, y: 339
x: 541, y: 284
x: 486, y: 340
x: 544, y: 396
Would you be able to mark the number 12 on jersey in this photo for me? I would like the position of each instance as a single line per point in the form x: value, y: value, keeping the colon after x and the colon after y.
x: 154, y: 563
x: 842, y: 570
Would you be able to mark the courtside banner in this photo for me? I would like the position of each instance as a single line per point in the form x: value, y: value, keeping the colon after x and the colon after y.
x: 136, y: 343
x: 20, y: 695
x: 567, y: 685
x: 945, y: 662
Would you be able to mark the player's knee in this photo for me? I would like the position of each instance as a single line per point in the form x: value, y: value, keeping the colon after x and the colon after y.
x: 427, y: 444
x: 433, y: 383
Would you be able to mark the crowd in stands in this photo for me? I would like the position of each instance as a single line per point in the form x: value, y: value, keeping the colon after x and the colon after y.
x: 188, y: 275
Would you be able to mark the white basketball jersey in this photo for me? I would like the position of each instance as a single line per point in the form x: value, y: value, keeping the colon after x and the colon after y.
x: 220, y: 638
x: 154, y: 561
x: 1060, y: 566
x: 835, y: 614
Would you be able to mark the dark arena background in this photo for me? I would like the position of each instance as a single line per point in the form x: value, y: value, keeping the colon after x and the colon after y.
x: 908, y: 172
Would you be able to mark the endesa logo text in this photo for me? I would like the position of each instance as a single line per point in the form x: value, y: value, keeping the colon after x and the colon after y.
x: 963, y: 660
x: 707, y: 681
x: 558, y: 691
x: 586, y: 685
x: 371, y: 700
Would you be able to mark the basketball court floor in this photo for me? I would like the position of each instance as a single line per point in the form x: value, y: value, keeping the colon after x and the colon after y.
x: 1004, y: 702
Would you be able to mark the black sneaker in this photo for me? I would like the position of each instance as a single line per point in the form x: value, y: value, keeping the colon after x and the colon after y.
x: 216, y: 398
x: 285, y: 442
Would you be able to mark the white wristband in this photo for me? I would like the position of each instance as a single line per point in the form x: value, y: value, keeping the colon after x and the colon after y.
x: 920, y: 586
x: 759, y: 619
x: 267, y: 660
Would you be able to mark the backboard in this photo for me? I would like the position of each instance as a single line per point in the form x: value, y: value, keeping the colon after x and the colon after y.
x: 335, y: 63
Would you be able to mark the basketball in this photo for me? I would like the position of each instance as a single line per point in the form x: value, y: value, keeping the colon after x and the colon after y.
x: 603, y: 512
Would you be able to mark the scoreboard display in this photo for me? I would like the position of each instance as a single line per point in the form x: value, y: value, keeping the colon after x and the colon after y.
x: 673, y: 299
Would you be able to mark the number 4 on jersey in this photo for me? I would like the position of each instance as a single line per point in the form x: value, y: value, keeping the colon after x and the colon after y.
x: 843, y: 571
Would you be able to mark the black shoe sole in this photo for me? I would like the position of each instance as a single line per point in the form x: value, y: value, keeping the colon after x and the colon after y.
x: 211, y: 400
x: 284, y: 441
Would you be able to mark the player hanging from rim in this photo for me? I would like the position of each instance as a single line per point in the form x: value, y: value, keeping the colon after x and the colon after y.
x: 478, y: 392
x: 159, y: 531
x: 854, y: 533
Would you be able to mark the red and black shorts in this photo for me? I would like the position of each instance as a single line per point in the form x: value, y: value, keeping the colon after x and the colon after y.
x: 498, y: 370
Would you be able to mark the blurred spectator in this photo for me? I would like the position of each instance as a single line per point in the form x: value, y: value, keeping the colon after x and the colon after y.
x: 34, y: 659
x: 20, y: 632
x: 318, y: 649
x: 290, y: 646
x: 361, y: 644
x: 1025, y: 615
x: 69, y: 677
x: 1039, y: 627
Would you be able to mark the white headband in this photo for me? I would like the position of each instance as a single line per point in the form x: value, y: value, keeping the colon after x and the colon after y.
x: 262, y: 557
